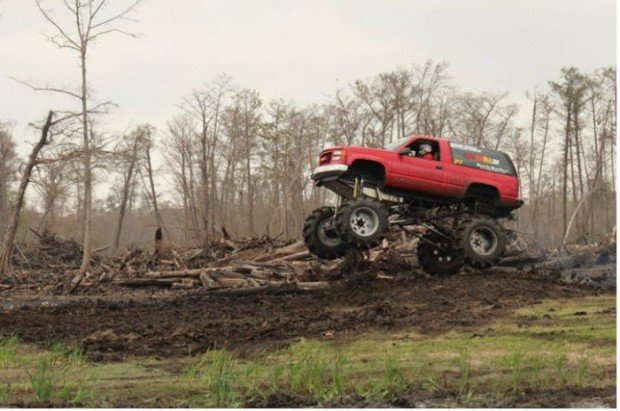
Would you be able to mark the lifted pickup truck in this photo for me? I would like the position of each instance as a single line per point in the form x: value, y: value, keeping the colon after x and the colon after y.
x: 457, y: 192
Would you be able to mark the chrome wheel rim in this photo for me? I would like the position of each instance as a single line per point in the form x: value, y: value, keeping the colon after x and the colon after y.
x: 483, y: 241
x: 364, y: 221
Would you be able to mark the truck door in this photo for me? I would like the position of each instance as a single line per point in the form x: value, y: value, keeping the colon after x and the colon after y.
x: 454, y: 178
x: 417, y: 171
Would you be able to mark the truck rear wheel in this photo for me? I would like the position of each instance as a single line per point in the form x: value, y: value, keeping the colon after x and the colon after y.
x: 481, y: 241
x: 437, y: 255
x: 321, y: 236
x: 362, y: 223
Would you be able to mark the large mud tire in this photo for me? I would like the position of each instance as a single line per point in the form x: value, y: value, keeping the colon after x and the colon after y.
x: 481, y: 241
x: 362, y: 223
x: 438, y: 261
x: 318, y: 242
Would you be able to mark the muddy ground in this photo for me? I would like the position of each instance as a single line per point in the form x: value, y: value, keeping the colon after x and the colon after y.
x: 151, y: 322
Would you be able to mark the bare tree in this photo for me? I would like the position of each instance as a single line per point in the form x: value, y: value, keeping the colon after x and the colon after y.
x: 242, y: 120
x: 538, y: 147
x: 83, y: 23
x: 179, y: 158
x: 148, y: 144
x: 206, y: 106
x: 570, y: 92
x: 129, y: 150
x: 483, y: 120
x: 6, y: 251
x: 346, y: 119
x: 52, y: 185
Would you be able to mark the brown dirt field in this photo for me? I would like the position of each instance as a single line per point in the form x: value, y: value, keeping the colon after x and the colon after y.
x: 177, y: 323
x: 550, y: 398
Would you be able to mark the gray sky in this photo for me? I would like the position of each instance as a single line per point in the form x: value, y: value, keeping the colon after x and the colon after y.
x: 300, y: 50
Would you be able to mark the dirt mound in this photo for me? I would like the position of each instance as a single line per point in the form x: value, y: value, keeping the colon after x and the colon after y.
x: 192, y: 321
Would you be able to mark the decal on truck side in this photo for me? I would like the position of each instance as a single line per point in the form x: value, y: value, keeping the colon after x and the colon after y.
x: 488, y: 160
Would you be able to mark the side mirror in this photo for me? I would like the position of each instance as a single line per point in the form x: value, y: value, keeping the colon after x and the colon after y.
x: 405, y: 151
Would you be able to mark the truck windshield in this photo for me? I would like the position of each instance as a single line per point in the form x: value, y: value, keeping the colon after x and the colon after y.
x: 489, y: 160
x: 394, y: 145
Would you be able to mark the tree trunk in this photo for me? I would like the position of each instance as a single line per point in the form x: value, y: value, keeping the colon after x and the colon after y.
x: 124, y: 199
x: 149, y: 168
x: 6, y: 252
x: 565, y: 176
x: 88, y: 189
x: 204, y: 183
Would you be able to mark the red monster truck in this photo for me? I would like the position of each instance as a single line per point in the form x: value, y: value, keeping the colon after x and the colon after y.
x: 457, y: 192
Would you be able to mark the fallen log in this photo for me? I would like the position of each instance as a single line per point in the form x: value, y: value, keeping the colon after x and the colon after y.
x: 294, y: 248
x: 283, y: 288
x: 207, y: 281
x: 140, y: 282
x: 101, y: 249
x: 314, y: 285
x: 75, y: 282
x: 221, y: 273
x: 292, y: 257
x: 236, y: 270
x: 253, y: 265
x: 238, y: 282
x: 174, y: 274
x: 183, y: 285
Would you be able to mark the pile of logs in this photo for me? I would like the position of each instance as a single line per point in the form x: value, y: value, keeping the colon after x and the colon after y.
x: 592, y: 264
x: 254, y: 265
x: 49, y: 252
x: 240, y: 269
x: 248, y: 270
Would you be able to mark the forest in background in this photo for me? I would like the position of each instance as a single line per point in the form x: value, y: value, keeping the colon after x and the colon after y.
x: 238, y: 162
x: 230, y: 159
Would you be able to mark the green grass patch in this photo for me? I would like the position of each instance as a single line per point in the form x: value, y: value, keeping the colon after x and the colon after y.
x: 553, y: 349
x: 8, y: 351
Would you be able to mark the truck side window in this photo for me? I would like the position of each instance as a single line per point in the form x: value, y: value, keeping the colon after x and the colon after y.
x: 425, y: 149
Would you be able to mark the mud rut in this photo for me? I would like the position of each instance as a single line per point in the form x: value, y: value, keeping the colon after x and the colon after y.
x: 182, y: 323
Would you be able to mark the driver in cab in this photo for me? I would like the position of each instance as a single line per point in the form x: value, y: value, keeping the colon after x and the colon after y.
x: 426, y: 152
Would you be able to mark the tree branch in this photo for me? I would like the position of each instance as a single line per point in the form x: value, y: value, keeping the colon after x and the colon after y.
x: 55, y: 24
x: 52, y: 89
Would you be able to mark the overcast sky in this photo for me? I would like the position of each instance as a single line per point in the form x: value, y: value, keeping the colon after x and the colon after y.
x: 300, y: 50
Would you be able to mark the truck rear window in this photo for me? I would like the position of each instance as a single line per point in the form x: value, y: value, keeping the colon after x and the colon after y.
x: 489, y: 160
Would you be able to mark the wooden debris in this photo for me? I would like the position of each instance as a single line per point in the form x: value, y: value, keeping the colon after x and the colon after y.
x: 294, y: 248
x: 137, y: 282
x: 297, y: 256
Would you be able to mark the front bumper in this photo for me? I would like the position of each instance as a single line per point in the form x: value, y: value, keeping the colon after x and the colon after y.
x: 329, y: 172
x: 328, y: 176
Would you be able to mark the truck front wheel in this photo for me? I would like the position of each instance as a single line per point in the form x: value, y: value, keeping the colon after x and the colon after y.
x: 437, y: 255
x: 362, y: 223
x: 321, y: 236
x: 481, y: 241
